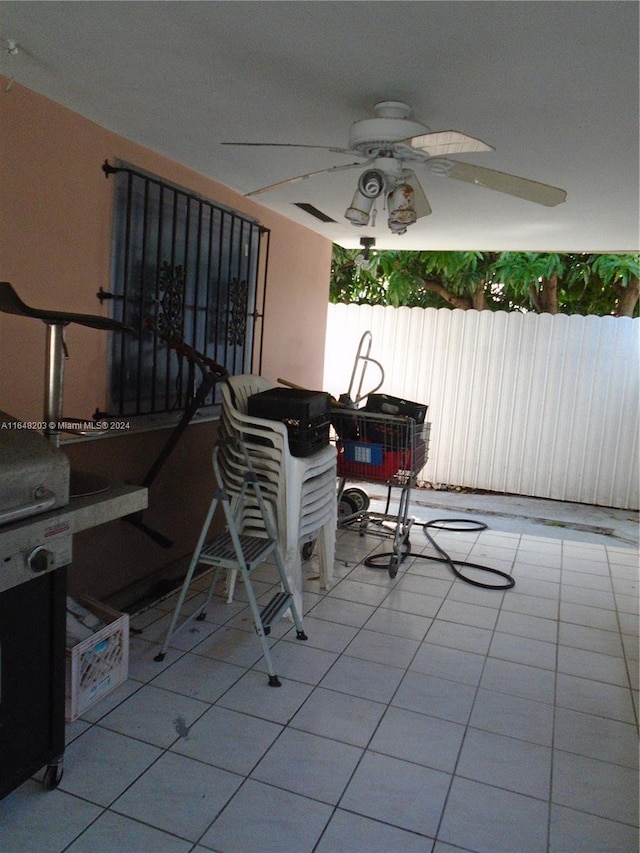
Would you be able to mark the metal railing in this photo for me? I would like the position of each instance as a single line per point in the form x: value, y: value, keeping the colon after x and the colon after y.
x: 184, y: 271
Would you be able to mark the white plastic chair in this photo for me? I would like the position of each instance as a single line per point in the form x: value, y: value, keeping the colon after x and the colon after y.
x: 300, y: 492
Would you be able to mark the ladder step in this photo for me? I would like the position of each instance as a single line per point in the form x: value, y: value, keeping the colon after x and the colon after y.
x: 220, y: 551
x: 280, y: 602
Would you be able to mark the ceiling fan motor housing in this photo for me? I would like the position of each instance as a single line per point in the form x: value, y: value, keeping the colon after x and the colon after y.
x: 392, y: 124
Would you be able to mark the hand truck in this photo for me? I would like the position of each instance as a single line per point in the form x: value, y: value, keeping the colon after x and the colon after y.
x: 386, y: 441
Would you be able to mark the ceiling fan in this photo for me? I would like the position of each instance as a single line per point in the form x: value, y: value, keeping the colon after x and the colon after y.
x: 387, y: 146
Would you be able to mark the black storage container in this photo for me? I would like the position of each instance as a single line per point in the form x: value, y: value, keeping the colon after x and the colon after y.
x: 384, y: 404
x: 304, y: 413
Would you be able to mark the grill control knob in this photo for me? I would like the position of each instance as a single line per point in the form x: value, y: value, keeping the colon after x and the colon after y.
x: 40, y: 559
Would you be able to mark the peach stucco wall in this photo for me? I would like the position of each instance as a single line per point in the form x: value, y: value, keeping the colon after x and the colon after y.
x: 55, y: 235
x: 55, y: 244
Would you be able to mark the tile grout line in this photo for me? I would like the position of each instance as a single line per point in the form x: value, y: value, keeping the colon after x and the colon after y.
x: 467, y: 725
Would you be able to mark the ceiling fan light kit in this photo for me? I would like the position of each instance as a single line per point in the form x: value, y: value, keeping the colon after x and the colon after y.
x: 371, y: 183
x: 401, y: 210
x: 359, y: 211
x: 389, y: 142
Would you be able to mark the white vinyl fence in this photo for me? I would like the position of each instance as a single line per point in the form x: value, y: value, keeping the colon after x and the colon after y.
x: 528, y: 404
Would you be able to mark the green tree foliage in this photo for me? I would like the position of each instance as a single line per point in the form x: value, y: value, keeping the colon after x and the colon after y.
x: 569, y: 283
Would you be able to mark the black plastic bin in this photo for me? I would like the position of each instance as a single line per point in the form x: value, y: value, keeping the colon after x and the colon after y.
x: 304, y: 413
x: 385, y: 404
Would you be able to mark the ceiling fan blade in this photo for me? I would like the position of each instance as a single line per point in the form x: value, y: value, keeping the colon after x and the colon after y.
x: 293, y: 145
x: 420, y: 203
x: 303, y: 178
x: 445, y: 142
x: 504, y: 183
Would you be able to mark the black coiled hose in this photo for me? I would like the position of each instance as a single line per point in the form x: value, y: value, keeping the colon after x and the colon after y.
x: 387, y: 560
x: 462, y: 525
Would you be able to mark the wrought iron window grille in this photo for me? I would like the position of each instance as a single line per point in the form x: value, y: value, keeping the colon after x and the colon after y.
x: 189, y: 275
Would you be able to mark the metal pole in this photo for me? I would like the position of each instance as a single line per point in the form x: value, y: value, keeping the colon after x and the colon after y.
x: 54, y: 382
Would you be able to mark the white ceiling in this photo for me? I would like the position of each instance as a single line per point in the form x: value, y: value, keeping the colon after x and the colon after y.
x: 553, y: 86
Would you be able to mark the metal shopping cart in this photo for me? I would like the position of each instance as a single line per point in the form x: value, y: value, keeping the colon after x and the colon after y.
x: 386, y: 440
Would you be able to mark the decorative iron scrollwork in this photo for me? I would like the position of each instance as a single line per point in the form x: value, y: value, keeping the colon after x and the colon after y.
x: 171, y: 281
x: 238, y: 300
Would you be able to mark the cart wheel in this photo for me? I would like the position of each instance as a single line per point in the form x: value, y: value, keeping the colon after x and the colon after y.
x: 346, y: 507
x: 52, y: 776
x: 394, y: 563
x: 359, y: 497
x: 307, y: 550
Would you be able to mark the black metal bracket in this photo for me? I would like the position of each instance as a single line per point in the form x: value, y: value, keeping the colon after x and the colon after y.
x: 103, y: 295
x: 367, y: 244
x: 109, y: 170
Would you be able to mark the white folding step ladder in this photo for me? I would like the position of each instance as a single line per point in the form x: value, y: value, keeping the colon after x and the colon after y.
x: 234, y: 551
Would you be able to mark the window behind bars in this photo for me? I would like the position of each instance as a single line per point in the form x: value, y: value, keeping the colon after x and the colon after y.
x: 183, y: 269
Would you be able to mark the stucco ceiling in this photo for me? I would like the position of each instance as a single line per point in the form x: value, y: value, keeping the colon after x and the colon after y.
x: 553, y: 86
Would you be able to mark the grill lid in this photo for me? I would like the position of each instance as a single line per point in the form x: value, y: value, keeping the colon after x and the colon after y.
x: 34, y: 476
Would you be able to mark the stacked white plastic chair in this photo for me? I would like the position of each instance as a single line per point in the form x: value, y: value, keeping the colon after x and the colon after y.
x: 300, y: 491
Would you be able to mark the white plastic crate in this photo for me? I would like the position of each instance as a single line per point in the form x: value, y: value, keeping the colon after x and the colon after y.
x: 100, y: 663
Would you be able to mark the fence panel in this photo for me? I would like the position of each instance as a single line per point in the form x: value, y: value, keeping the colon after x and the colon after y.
x: 530, y: 404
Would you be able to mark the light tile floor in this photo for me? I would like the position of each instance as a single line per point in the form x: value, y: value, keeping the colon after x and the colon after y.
x: 423, y: 715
